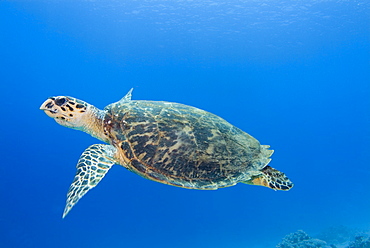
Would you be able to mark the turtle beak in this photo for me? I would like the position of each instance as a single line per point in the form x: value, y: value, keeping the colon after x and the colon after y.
x: 48, y: 107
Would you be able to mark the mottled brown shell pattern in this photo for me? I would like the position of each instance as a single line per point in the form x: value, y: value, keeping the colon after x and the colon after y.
x: 181, y: 145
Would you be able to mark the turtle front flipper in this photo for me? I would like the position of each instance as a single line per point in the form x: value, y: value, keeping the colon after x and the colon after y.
x: 92, y: 166
x: 271, y: 178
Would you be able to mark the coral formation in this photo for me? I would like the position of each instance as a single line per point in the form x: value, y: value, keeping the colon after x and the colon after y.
x: 337, y: 237
x: 360, y: 242
x: 300, y: 239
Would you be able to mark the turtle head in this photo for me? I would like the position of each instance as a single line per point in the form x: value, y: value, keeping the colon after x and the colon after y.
x: 67, y: 111
x: 74, y: 113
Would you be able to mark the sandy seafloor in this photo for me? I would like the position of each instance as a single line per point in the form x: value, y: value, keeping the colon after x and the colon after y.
x: 293, y: 74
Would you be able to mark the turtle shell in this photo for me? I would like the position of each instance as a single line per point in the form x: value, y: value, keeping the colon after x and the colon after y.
x: 182, y: 145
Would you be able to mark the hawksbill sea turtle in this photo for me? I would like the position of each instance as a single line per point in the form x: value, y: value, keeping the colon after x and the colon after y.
x: 166, y: 142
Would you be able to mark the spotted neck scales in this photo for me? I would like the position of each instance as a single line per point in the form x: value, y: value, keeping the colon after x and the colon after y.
x: 93, y: 123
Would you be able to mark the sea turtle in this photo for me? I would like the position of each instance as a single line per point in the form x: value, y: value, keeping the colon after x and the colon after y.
x: 166, y: 142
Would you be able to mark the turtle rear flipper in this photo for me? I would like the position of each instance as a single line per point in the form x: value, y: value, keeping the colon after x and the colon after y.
x: 271, y: 178
x: 92, y: 166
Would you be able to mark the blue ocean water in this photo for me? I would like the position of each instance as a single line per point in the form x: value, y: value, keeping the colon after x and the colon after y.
x: 293, y: 74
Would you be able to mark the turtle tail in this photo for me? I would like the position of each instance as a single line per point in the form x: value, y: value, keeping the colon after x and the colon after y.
x: 272, y: 179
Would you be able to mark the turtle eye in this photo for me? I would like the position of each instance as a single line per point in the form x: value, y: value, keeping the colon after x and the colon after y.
x: 60, y: 101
